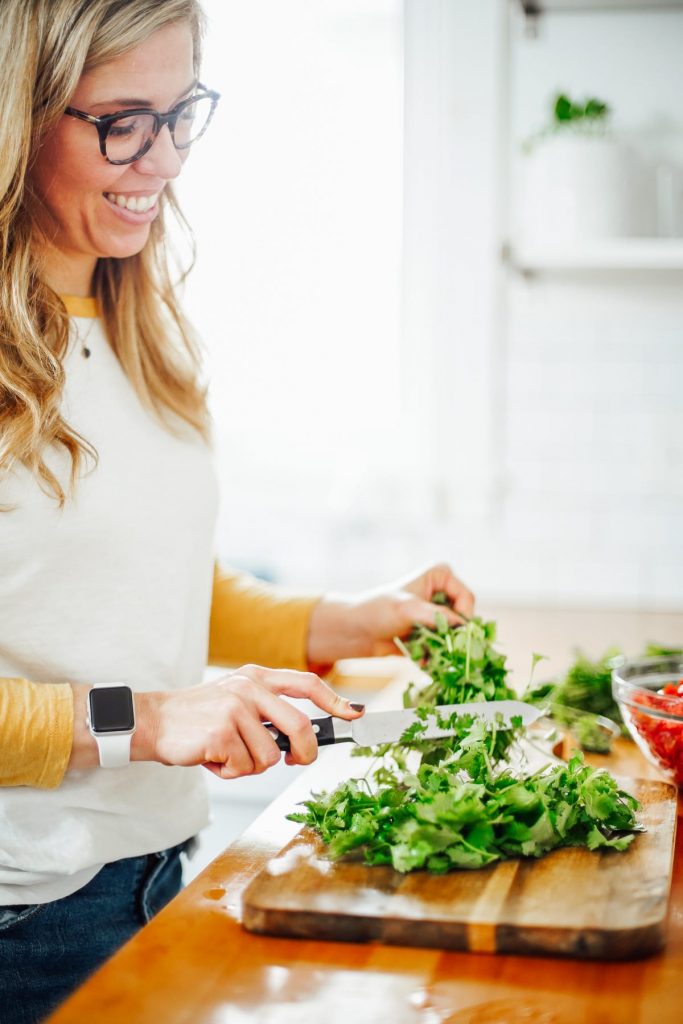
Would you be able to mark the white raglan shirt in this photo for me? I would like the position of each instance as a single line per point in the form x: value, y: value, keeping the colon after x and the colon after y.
x: 114, y: 587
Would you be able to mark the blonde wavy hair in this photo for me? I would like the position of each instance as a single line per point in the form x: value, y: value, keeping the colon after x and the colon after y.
x: 47, y: 45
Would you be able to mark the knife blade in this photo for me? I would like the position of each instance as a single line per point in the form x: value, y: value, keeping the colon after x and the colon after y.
x: 377, y: 727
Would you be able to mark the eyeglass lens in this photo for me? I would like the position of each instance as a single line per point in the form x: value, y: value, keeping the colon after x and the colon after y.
x: 129, y: 135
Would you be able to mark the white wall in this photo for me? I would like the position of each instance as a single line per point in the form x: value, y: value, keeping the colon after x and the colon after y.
x: 386, y: 392
x: 295, y: 198
x: 553, y: 403
x: 594, y: 420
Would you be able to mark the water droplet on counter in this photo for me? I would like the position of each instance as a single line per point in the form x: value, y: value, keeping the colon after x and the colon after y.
x: 214, y: 894
x: 420, y: 998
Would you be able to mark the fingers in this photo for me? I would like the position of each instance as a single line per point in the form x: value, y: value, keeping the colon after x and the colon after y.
x: 235, y: 761
x: 420, y: 609
x: 425, y: 614
x: 255, y: 697
x: 220, y: 725
x: 292, y: 722
x: 310, y: 686
x: 463, y: 600
x: 461, y: 597
x: 440, y: 578
x: 261, y: 746
x: 242, y: 746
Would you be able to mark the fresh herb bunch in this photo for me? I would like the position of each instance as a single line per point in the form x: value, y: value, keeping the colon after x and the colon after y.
x: 467, y: 811
x: 461, y: 661
x: 587, y: 687
x: 591, y: 735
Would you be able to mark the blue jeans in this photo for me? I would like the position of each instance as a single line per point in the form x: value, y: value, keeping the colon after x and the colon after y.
x: 48, y: 949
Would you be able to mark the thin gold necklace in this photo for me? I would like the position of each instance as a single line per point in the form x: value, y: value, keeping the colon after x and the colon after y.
x: 86, y: 351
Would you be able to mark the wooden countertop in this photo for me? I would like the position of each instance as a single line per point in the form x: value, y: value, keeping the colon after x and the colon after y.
x: 194, y: 964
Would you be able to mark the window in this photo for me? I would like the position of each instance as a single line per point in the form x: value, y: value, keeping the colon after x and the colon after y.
x: 295, y: 199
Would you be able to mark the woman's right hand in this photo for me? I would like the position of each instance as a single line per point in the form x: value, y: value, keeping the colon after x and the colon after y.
x: 220, y: 723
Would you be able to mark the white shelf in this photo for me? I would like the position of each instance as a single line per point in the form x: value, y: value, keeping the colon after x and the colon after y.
x: 536, y: 7
x: 611, y: 254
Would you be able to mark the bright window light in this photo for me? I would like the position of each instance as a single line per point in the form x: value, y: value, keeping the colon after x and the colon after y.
x: 295, y: 199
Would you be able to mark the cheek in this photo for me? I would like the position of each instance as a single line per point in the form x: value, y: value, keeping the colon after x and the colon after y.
x: 70, y: 173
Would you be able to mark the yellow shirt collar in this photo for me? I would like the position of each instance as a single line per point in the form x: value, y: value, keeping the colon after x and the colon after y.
x: 77, y: 305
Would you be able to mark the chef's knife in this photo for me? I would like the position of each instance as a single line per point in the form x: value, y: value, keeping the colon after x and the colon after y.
x: 377, y: 727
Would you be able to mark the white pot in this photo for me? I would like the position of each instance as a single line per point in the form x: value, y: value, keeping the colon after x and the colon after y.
x: 581, y: 186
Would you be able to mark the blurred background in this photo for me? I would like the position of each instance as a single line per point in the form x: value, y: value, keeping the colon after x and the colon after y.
x: 387, y: 386
x: 442, y: 311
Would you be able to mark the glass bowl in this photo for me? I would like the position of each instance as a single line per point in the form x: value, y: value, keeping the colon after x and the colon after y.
x: 655, y: 720
x: 593, y: 733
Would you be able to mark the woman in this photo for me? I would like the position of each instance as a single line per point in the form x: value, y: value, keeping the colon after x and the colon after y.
x: 107, y: 581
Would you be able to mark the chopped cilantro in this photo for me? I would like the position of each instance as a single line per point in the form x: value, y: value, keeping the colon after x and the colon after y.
x: 467, y: 811
x: 455, y: 802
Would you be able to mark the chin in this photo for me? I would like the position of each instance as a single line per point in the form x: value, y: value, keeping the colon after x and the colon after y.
x: 123, y: 248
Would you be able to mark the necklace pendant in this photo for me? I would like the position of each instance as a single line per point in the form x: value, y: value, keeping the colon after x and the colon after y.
x: 85, y: 352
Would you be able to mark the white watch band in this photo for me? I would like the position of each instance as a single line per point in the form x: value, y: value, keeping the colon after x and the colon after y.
x: 113, y: 748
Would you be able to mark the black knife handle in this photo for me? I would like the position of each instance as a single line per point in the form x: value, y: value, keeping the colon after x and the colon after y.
x: 322, y: 727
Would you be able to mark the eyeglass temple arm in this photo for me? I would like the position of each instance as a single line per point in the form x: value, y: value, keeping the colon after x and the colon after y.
x: 81, y: 115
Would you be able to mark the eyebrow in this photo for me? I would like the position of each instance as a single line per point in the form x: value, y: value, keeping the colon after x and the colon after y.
x: 135, y: 101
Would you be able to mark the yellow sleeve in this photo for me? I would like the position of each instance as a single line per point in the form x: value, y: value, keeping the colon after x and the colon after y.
x: 36, y: 732
x: 256, y: 622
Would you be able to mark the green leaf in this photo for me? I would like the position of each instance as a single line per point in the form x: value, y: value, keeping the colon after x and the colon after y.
x: 563, y: 108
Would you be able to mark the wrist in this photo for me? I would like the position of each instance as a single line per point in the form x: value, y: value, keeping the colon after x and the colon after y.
x: 84, y: 751
x: 143, y: 746
x: 336, y: 630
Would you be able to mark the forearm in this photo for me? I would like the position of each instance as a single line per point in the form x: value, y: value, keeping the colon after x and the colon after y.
x: 335, y: 631
x: 253, y: 621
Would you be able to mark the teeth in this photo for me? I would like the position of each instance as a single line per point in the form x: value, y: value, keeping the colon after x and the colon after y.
x: 136, y: 204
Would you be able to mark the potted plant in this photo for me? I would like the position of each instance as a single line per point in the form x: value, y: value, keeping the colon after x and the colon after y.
x: 579, y: 179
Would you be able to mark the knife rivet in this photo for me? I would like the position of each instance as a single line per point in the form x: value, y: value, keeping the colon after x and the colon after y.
x: 316, y: 728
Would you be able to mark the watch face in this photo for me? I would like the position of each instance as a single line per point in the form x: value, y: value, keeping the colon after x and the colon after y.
x: 111, y: 709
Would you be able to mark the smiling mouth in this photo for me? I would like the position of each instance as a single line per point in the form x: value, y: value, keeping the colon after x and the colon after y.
x: 134, y: 204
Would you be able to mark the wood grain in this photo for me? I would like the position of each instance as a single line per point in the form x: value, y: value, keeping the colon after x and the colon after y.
x: 195, y: 963
x: 572, y: 902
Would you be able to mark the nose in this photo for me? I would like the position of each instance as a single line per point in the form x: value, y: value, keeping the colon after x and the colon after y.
x: 162, y: 158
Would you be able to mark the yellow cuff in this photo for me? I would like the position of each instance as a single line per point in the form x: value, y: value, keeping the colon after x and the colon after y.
x: 36, y: 732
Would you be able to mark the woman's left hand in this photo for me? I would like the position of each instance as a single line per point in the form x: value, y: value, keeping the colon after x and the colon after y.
x: 366, y: 625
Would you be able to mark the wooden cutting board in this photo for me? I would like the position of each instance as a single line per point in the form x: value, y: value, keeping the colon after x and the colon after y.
x: 572, y: 902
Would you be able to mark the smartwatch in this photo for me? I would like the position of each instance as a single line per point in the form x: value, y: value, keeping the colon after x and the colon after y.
x: 111, y: 720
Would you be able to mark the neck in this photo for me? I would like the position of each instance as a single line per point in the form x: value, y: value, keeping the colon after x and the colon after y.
x: 68, y: 273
